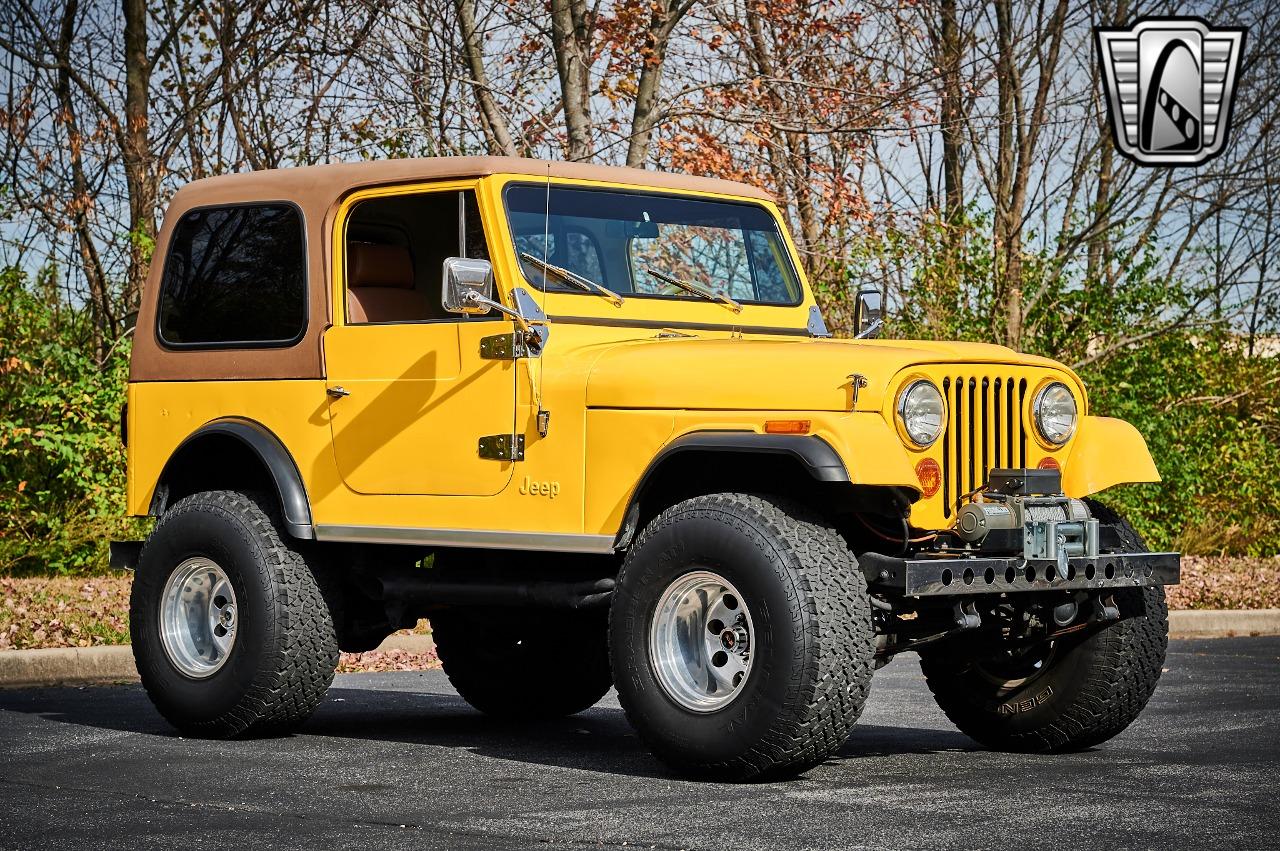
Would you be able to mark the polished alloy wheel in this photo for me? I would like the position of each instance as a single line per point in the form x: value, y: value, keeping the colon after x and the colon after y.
x: 198, y: 617
x: 700, y: 641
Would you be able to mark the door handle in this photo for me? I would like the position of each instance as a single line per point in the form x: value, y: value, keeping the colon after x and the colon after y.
x: 337, y: 391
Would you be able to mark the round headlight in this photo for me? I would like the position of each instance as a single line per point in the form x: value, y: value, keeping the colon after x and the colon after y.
x: 1055, y: 413
x: 921, y: 412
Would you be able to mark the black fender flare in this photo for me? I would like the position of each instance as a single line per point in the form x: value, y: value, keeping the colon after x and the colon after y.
x: 814, y: 454
x: 295, y: 506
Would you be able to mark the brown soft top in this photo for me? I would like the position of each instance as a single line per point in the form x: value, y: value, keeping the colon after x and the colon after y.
x: 335, y: 180
x: 317, y: 190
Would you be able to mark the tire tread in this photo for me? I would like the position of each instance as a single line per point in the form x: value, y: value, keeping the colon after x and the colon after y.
x: 299, y: 667
x: 839, y: 637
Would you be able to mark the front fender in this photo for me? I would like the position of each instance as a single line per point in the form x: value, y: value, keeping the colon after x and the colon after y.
x: 872, y: 452
x: 1106, y: 452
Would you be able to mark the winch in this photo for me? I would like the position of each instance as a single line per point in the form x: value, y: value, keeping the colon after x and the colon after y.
x: 1053, y: 527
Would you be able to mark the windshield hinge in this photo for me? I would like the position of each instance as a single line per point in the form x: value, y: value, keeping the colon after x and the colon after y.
x: 502, y: 447
x: 817, y: 326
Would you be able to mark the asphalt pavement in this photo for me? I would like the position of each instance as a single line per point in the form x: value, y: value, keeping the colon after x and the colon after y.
x: 399, y: 761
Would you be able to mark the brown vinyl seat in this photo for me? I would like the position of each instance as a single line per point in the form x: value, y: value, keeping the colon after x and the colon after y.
x: 380, y: 285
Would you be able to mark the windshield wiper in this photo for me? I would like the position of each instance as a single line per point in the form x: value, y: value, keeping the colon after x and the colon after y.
x: 573, y: 278
x: 695, y: 289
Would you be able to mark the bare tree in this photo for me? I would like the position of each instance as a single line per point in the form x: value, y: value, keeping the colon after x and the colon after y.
x: 495, y: 122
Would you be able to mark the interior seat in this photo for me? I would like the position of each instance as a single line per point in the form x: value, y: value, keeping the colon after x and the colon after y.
x: 380, y: 285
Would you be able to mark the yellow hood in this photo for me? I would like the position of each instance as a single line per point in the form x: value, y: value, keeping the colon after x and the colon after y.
x: 769, y: 373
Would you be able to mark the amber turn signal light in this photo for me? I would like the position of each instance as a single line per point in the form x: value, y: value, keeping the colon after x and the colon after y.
x: 1047, y: 463
x: 787, y: 426
x: 930, y: 476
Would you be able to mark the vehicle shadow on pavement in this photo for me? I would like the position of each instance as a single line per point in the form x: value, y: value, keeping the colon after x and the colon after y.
x: 598, y: 740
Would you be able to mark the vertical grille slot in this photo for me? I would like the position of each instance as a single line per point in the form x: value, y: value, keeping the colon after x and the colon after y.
x: 972, y: 426
x: 984, y: 431
x: 946, y: 449
x: 1022, y: 432
x: 1012, y: 422
x: 985, y: 434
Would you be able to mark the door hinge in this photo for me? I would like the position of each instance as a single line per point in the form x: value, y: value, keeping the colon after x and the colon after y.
x: 506, y: 347
x: 502, y: 447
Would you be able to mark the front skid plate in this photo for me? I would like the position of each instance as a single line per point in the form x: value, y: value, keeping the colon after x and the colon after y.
x: 947, y: 577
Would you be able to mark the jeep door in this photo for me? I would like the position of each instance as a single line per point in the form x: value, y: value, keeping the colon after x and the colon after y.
x: 410, y: 395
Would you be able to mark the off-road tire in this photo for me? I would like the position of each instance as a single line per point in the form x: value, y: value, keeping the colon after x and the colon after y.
x: 285, y: 651
x: 813, y: 643
x: 522, y: 664
x: 1092, y: 689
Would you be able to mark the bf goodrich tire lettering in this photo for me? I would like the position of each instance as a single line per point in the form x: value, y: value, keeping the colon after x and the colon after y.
x: 285, y: 650
x: 1090, y: 689
x: 812, y: 632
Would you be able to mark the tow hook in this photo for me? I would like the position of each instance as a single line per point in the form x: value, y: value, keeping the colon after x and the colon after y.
x: 1105, y: 608
x: 966, y: 615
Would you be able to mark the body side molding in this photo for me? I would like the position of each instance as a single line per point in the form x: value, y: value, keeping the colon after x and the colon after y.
x: 471, y: 538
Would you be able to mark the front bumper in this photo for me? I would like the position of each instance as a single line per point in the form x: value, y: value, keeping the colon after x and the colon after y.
x: 956, y: 576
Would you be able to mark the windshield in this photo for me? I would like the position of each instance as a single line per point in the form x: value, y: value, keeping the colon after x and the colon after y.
x: 630, y: 242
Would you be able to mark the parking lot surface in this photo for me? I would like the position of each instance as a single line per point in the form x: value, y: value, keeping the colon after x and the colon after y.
x: 399, y: 761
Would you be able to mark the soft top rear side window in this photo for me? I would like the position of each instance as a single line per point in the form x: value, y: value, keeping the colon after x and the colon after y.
x: 235, y: 276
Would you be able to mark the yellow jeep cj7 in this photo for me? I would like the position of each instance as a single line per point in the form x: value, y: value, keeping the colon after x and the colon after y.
x: 590, y: 422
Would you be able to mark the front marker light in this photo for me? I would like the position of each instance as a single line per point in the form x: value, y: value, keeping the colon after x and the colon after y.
x: 921, y: 412
x: 1054, y: 412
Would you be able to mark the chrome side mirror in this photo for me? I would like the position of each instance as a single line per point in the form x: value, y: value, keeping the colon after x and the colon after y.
x: 468, y: 286
x: 867, y: 316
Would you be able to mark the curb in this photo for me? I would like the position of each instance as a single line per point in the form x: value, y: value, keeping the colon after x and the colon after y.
x: 114, y: 663
x: 65, y: 665
x: 1223, y: 623
x: 80, y: 665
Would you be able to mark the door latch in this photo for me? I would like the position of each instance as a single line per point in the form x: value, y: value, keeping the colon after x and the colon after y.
x: 337, y: 391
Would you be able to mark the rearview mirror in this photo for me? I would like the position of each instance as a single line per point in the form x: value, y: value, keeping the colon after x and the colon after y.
x: 867, y: 316
x: 468, y: 286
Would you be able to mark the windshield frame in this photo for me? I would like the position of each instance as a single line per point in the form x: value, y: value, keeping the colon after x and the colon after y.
x: 779, y: 233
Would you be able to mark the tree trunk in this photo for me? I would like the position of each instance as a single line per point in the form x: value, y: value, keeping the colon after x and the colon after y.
x: 571, y: 26
x: 494, y: 123
x: 1018, y: 137
x: 666, y: 15
x: 1098, y: 264
x: 81, y: 197
x: 136, y: 154
x: 951, y: 109
x: 1008, y: 221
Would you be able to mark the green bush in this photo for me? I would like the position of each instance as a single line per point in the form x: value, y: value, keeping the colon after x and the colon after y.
x: 61, y: 459
x: 1211, y: 417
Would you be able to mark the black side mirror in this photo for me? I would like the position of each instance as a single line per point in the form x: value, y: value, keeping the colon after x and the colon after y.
x: 867, y: 316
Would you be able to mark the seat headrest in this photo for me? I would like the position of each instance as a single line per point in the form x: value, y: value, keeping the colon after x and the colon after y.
x: 372, y: 265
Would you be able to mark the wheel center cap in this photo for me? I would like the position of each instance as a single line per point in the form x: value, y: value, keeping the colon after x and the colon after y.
x: 728, y: 639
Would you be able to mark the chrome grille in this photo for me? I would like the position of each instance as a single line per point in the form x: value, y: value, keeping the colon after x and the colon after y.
x: 984, y: 431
